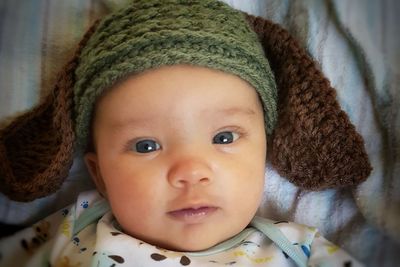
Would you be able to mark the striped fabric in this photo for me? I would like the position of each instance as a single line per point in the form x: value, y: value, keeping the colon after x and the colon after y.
x: 357, y: 46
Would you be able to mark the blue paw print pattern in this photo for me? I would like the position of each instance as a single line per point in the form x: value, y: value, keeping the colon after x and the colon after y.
x: 85, y: 204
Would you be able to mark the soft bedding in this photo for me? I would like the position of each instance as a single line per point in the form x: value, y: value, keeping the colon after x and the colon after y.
x: 356, y: 45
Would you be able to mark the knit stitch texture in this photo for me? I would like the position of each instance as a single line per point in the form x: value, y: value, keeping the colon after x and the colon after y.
x: 150, y: 34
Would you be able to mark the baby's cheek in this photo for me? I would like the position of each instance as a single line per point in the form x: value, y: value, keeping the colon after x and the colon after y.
x: 124, y: 197
x: 130, y: 211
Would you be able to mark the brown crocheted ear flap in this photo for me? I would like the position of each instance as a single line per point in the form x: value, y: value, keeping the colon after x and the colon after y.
x: 314, y: 145
x: 36, y: 149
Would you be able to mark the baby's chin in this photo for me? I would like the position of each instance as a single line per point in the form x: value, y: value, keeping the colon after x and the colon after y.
x: 190, y: 245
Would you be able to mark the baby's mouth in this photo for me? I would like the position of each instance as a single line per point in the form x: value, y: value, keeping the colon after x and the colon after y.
x: 192, y: 215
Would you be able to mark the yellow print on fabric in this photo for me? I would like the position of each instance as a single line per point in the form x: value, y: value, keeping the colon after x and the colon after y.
x: 331, y: 249
x: 65, y: 262
x: 65, y: 227
x: 242, y: 253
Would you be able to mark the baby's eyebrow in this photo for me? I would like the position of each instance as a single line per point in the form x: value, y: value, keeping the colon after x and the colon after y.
x: 149, y: 120
x: 116, y: 125
x: 237, y: 111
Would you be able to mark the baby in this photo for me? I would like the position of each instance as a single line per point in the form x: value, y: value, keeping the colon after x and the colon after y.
x: 174, y: 102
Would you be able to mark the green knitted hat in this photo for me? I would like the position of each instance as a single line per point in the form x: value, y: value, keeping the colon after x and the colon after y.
x: 151, y: 33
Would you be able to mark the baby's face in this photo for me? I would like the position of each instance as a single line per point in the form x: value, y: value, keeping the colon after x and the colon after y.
x: 180, y: 155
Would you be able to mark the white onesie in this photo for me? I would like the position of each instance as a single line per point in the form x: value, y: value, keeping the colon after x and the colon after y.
x: 87, y: 234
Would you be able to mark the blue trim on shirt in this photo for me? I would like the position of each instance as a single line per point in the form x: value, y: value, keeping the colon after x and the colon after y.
x: 272, y: 232
x: 91, y: 215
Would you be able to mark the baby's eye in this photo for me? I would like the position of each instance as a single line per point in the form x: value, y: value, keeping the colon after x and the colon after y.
x: 225, y: 137
x: 147, y: 146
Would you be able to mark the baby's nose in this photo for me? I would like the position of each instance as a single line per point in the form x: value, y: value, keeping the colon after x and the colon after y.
x: 189, y: 171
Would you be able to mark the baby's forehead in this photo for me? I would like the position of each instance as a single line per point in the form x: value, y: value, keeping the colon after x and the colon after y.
x: 171, y: 90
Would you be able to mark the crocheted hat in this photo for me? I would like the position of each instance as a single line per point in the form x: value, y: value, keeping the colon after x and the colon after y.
x: 152, y: 33
x: 313, y: 144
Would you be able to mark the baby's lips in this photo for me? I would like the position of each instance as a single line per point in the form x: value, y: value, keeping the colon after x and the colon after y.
x: 193, y: 215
